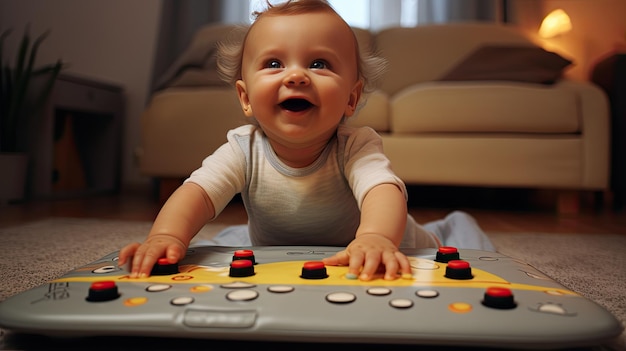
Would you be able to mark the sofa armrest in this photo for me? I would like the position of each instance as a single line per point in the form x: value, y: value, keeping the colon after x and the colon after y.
x: 180, y: 127
x: 595, y: 130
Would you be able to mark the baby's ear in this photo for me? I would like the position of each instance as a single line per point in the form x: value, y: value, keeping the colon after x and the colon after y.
x: 355, y: 97
x: 243, y: 98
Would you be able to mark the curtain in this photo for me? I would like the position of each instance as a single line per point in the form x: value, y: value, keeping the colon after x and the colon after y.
x: 408, y: 13
x: 180, y: 19
x: 442, y: 11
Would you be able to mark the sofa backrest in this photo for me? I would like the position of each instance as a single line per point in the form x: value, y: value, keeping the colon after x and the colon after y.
x: 365, y: 39
x: 425, y: 53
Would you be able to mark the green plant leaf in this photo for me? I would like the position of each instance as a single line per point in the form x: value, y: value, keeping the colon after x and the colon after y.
x: 14, y: 85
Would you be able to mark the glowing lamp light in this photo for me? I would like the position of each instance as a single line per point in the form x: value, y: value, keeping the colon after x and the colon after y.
x: 556, y: 23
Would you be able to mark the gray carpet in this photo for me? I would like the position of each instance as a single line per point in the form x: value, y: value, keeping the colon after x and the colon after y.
x: 32, y: 254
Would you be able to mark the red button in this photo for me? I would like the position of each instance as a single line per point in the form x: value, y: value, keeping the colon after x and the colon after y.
x: 103, y: 285
x: 313, y: 265
x: 499, y: 298
x: 241, y: 268
x: 458, y: 269
x: 446, y: 254
x: 241, y: 264
x: 243, y: 253
x: 314, y: 270
x: 448, y: 250
x: 498, y: 292
x: 164, y: 267
x: 458, y: 264
x: 103, y: 290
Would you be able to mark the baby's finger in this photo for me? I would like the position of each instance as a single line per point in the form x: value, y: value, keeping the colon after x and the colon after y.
x: 405, y: 264
x: 174, y: 253
x: 391, y: 265
x: 126, y: 252
x: 354, y: 261
x: 147, y: 261
x: 370, y: 263
x: 137, y: 261
x: 341, y: 258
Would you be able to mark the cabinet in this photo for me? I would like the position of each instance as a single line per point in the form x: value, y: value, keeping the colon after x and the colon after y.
x: 78, y: 140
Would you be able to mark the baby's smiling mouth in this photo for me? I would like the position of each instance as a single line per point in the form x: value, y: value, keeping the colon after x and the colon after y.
x: 296, y: 105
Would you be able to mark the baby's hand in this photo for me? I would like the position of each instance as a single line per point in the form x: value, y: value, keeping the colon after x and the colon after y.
x: 369, y: 251
x: 145, y: 255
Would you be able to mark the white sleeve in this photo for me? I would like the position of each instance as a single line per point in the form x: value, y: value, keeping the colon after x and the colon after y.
x: 222, y: 174
x: 365, y: 164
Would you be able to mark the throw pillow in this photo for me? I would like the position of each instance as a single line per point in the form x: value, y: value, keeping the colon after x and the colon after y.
x: 529, y: 64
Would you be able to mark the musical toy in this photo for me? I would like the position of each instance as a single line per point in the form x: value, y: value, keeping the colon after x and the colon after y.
x: 453, y: 297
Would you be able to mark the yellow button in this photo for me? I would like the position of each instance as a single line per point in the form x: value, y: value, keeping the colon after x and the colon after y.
x: 200, y: 289
x: 460, y: 307
x: 135, y: 301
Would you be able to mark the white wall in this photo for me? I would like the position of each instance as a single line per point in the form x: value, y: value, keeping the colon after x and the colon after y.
x: 598, y: 30
x: 108, y: 40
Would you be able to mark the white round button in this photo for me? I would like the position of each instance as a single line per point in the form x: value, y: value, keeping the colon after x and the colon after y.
x: 181, y: 301
x: 158, y: 287
x: 552, y: 308
x: 280, y: 289
x: 424, y: 264
x: 340, y: 297
x: 242, y: 295
x: 379, y: 291
x: 401, y: 303
x: 238, y: 285
x: 105, y: 269
x: 427, y: 293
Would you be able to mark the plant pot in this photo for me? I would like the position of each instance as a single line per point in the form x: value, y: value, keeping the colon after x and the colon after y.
x: 13, y: 176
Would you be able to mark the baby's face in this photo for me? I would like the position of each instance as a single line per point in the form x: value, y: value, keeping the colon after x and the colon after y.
x: 299, y: 77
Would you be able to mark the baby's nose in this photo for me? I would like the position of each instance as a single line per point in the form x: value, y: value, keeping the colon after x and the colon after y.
x: 297, y: 79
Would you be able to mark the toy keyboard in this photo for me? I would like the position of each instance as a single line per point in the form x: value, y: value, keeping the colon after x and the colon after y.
x: 454, y: 297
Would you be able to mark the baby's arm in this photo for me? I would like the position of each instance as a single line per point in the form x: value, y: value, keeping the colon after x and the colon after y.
x: 182, y: 216
x: 383, y: 219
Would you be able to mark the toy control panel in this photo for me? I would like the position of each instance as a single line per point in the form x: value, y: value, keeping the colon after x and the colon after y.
x: 453, y: 297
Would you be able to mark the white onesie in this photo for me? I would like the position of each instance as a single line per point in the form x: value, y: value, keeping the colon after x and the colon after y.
x: 315, y: 205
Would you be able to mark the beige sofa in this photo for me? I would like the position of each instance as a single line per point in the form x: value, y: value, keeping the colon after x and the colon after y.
x: 506, y: 124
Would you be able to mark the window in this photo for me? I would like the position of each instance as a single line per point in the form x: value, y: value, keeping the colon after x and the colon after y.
x: 355, y: 12
x: 368, y: 14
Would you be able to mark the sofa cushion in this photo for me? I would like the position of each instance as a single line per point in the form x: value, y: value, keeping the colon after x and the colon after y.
x: 485, y: 107
x: 492, y: 160
x: 530, y: 64
x: 424, y: 53
x: 197, y: 65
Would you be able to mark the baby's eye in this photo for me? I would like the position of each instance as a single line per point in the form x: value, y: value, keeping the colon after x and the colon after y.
x: 319, y: 64
x: 273, y: 64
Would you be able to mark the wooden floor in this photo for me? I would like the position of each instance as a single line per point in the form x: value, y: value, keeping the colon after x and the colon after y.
x: 496, y: 210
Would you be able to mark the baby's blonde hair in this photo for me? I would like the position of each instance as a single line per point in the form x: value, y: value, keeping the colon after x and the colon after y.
x: 370, y: 67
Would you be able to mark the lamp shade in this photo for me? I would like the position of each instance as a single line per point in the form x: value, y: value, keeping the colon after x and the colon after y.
x: 555, y: 23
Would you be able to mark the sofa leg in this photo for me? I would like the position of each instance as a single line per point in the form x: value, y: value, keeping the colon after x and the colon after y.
x: 568, y: 202
x: 600, y: 199
x: 167, y: 186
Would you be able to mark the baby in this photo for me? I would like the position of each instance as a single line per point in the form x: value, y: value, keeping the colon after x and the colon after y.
x: 304, y: 176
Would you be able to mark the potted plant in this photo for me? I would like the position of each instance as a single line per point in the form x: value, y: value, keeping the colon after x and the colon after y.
x: 24, y: 90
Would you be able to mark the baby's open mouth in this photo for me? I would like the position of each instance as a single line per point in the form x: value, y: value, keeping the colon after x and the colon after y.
x: 296, y: 105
